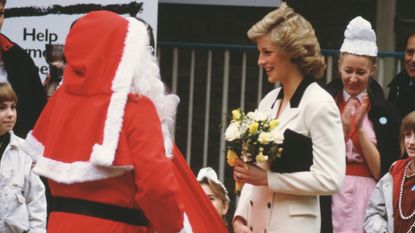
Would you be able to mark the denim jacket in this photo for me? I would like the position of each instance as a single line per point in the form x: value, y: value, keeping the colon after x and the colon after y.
x: 379, y: 213
x: 22, y: 193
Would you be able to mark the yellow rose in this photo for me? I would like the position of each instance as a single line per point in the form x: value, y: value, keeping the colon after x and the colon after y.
x: 253, y: 128
x: 236, y: 115
x: 231, y: 158
x: 273, y: 123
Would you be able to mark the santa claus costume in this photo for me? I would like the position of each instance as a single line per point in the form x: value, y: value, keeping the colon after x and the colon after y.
x: 103, y: 137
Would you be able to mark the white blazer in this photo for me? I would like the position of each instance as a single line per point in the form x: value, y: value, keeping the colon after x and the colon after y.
x: 290, y: 202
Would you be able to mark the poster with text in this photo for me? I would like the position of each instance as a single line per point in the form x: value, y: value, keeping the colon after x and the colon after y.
x: 33, y: 24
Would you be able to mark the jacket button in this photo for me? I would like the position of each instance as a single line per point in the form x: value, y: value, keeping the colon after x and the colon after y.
x: 269, y: 205
x: 252, y: 203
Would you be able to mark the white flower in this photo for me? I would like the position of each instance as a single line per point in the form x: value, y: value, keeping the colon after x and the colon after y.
x: 251, y: 115
x: 265, y: 137
x: 277, y: 136
x: 260, y: 116
x: 232, y: 132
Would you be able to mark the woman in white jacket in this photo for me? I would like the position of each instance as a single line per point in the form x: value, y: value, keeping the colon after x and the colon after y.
x: 282, y: 196
x: 22, y: 194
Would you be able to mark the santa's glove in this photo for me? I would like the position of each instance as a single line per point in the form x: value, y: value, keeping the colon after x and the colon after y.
x: 5, y: 43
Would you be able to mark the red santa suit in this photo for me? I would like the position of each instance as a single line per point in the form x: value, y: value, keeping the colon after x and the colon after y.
x: 103, y: 137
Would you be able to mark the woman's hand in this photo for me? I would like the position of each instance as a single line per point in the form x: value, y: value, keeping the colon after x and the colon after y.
x: 356, y: 110
x: 347, y: 112
x: 239, y: 225
x: 361, y: 111
x: 249, y: 173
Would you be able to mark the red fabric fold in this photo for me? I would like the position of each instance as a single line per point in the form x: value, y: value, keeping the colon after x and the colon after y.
x: 202, y: 215
x: 5, y: 43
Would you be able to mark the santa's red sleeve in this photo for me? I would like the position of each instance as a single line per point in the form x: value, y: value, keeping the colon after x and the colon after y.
x: 154, y: 175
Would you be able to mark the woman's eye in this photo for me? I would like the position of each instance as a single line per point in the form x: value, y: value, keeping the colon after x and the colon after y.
x: 410, y: 52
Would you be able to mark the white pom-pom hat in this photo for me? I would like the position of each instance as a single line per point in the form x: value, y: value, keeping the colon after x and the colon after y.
x: 359, y: 38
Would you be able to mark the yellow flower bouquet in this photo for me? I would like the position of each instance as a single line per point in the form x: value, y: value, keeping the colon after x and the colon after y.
x: 252, y: 137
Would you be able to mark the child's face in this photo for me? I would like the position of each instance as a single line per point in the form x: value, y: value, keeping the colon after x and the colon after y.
x: 410, y: 143
x: 216, y: 201
x: 7, y: 116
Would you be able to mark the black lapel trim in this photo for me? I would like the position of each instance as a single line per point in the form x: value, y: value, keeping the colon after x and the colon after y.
x: 295, y: 100
x: 298, y: 94
x: 280, y: 96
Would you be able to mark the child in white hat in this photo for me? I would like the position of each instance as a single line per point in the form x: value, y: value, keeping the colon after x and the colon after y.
x: 215, y: 190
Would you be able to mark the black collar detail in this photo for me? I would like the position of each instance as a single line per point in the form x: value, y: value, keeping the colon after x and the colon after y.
x: 298, y: 94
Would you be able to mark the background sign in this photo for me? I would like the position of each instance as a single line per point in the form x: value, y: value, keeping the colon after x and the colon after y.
x: 33, y: 24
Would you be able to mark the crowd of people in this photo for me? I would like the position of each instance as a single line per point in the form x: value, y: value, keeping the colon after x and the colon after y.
x: 347, y: 164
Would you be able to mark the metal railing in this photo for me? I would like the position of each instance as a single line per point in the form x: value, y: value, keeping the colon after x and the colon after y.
x: 211, y: 80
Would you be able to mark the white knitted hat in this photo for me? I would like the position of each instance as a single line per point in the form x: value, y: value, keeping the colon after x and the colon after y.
x: 359, y: 38
x: 209, y: 173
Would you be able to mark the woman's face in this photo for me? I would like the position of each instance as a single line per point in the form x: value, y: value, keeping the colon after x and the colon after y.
x: 274, y: 60
x: 355, y: 72
x: 7, y: 116
x: 220, y: 207
x: 409, y: 140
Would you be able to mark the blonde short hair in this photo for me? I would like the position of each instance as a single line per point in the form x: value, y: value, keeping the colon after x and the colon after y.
x: 295, y: 35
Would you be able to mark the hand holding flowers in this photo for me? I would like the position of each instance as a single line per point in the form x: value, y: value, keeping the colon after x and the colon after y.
x: 252, y: 138
x: 250, y: 173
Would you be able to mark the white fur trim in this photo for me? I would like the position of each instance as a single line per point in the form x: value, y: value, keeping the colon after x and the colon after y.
x: 33, y: 147
x: 187, y: 227
x: 69, y: 173
x: 147, y: 82
x: 134, y: 47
